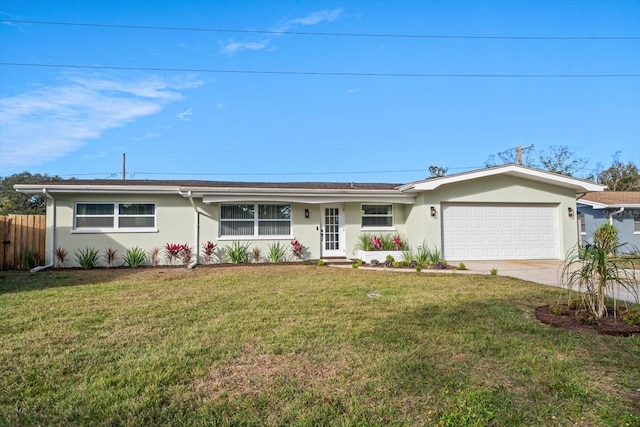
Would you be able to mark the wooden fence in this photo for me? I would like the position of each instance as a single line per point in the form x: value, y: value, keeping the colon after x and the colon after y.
x: 22, y: 239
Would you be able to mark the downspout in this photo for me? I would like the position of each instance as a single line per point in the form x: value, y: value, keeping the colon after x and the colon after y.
x: 615, y: 213
x: 196, y: 230
x: 53, y: 235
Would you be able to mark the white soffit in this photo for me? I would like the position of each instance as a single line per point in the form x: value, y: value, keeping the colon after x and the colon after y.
x: 579, y: 185
x: 310, y: 199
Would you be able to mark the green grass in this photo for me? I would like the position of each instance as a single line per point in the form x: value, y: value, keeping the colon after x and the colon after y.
x: 300, y: 345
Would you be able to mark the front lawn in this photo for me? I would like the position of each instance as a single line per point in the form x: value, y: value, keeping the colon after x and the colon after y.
x: 300, y: 345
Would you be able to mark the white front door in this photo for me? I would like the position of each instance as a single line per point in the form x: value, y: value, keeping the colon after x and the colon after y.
x: 333, y: 231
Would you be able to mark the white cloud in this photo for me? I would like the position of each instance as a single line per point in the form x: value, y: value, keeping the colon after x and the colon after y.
x: 220, y: 105
x: 185, y: 115
x: 231, y: 46
x: 52, y: 121
x: 354, y: 90
x: 313, y: 19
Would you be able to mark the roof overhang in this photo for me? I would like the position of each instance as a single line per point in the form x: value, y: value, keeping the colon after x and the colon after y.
x: 597, y: 205
x: 579, y: 185
x: 95, y: 189
x: 231, y: 194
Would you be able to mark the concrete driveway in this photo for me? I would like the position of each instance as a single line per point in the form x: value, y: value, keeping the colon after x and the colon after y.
x: 545, y: 272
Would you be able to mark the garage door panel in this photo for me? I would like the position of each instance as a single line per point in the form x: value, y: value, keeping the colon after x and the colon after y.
x: 499, y: 232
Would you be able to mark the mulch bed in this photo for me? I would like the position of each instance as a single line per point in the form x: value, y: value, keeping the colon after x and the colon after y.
x: 608, y: 325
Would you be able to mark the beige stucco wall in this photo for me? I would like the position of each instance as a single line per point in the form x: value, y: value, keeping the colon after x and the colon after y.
x: 176, y: 218
x: 353, y: 224
x: 175, y: 223
x: 494, y: 189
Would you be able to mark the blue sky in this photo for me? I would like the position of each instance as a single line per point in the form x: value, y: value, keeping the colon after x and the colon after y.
x: 198, y: 124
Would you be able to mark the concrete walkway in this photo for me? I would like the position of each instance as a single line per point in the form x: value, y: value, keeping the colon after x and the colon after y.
x: 545, y: 272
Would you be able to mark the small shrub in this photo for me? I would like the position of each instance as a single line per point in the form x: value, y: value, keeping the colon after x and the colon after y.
x: 109, y: 256
x: 172, y: 252
x: 494, y: 271
x: 61, y: 255
x: 357, y: 264
x: 434, y: 256
x: 407, y: 257
x: 423, y: 254
x: 375, y: 263
x: 134, y: 257
x: 208, y: 248
x: 237, y: 253
x: 277, y: 252
x: 461, y: 266
x: 441, y: 265
x: 586, y: 317
x: 365, y: 242
x: 418, y: 268
x: 388, y: 264
x: 154, y: 255
x: 321, y: 262
x: 389, y: 258
x: 186, y: 253
x: 559, y: 309
x: 395, y: 264
x: 630, y: 316
x: 30, y: 259
x: 297, y: 249
x: 87, y: 257
x: 256, y: 254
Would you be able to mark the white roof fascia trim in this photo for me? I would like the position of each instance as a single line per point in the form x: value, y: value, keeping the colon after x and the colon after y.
x: 513, y: 170
x: 96, y: 189
x: 596, y: 205
x: 310, y: 199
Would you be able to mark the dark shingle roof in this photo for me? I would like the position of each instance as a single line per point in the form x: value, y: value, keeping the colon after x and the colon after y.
x: 225, y: 184
x: 614, y: 197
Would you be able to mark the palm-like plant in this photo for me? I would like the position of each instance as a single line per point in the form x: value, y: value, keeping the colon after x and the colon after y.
x: 594, y: 269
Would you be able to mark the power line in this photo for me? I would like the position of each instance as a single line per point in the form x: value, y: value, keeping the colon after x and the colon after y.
x: 324, y: 34
x: 314, y: 73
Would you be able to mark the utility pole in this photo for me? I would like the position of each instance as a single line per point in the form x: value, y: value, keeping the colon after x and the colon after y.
x: 124, y: 166
x: 520, y: 150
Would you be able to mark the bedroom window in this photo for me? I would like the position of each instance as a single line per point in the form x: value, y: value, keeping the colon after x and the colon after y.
x: 252, y: 220
x: 377, y: 216
x: 115, y: 216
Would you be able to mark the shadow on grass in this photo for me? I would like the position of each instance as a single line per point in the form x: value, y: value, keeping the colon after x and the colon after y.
x: 23, y: 281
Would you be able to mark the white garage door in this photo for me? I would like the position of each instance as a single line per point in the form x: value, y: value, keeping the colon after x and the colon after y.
x: 499, y: 231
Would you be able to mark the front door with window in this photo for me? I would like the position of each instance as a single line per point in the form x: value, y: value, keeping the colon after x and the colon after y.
x: 333, y: 231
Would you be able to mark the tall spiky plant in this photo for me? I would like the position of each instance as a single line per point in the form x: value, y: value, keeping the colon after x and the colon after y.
x: 593, y: 270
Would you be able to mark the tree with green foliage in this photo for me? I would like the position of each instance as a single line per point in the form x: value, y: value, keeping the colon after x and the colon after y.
x: 13, y: 202
x: 437, y: 171
x: 620, y: 176
x: 559, y: 159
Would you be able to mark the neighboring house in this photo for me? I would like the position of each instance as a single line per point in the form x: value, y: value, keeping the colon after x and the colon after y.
x: 620, y: 208
x: 504, y: 212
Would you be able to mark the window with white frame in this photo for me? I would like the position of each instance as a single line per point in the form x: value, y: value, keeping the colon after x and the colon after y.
x: 582, y: 223
x: 251, y: 220
x: 115, y: 216
x: 377, y: 216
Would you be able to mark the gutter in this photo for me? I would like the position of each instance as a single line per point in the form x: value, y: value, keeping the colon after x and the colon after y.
x: 196, y: 228
x: 53, y: 235
x: 619, y: 211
